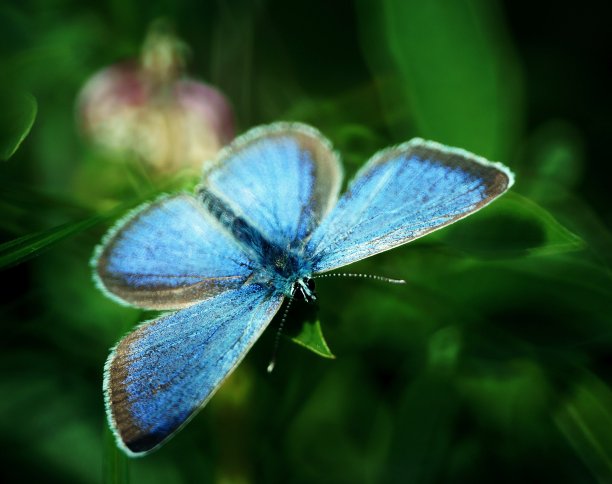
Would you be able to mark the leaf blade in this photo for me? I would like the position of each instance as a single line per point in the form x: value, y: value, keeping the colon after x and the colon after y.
x: 311, y: 338
x: 449, y: 71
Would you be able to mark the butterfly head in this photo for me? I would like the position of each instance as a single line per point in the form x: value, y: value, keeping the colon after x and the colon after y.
x: 304, y: 290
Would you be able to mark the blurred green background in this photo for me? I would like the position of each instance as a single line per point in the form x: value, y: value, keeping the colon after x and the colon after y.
x: 491, y: 365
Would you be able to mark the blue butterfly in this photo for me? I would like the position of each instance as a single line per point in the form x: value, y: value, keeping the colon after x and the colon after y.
x: 265, y: 220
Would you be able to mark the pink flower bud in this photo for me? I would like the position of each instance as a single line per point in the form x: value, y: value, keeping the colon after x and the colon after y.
x: 149, y: 109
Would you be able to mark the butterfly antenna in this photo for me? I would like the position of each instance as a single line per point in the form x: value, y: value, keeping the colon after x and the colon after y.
x: 365, y: 276
x: 278, y: 333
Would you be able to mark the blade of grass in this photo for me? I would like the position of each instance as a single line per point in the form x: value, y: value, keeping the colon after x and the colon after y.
x: 19, y: 113
x: 585, y: 420
x: 19, y: 250
x: 115, y: 462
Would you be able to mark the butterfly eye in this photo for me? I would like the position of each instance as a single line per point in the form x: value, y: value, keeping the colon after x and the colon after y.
x: 310, y: 283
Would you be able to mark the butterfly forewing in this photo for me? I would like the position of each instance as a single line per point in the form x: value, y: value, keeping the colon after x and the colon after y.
x: 401, y: 194
x: 168, y: 255
x: 281, y: 179
x: 160, y: 374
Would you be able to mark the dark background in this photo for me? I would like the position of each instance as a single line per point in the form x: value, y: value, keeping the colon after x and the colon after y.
x: 490, y: 365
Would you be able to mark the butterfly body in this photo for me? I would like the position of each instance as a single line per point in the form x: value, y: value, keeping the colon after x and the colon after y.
x: 265, y: 220
x: 279, y: 267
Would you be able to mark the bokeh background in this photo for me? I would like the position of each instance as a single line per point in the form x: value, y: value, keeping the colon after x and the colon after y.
x: 492, y: 364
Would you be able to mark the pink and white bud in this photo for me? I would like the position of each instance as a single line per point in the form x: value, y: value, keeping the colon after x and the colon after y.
x: 149, y: 109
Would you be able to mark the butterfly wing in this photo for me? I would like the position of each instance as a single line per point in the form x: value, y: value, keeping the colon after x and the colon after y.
x: 159, y: 375
x: 167, y: 255
x: 281, y: 179
x: 403, y: 193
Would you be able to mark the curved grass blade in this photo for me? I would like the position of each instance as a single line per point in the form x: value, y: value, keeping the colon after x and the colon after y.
x: 585, y: 420
x: 115, y: 462
x: 19, y: 113
x: 23, y: 248
x: 558, y: 238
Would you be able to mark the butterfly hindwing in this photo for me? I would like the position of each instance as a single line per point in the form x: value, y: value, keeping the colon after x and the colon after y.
x: 169, y: 254
x: 403, y: 193
x: 281, y: 179
x: 159, y: 375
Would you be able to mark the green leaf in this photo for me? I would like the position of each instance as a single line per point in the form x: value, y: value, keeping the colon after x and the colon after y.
x: 511, y: 226
x: 18, y: 115
x: 311, y: 338
x: 448, y: 70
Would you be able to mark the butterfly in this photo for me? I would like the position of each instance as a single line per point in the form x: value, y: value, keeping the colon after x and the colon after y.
x: 264, y: 221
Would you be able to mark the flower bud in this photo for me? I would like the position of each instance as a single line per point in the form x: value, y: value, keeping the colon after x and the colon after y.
x: 150, y: 109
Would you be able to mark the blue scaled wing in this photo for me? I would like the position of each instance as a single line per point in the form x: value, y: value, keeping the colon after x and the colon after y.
x: 280, y: 179
x: 168, y: 255
x: 161, y: 374
x: 403, y: 193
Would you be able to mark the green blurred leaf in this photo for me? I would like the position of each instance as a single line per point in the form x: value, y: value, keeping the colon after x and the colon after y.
x: 422, y: 431
x: 444, y: 349
x: 311, y: 337
x: 341, y: 432
x: 451, y: 71
x: 585, y: 420
x: 18, y: 115
x: 512, y: 226
x: 511, y: 396
x: 49, y: 416
x: 556, y: 156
